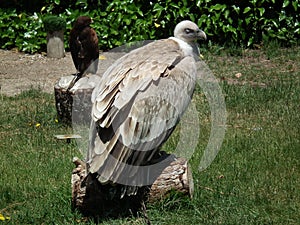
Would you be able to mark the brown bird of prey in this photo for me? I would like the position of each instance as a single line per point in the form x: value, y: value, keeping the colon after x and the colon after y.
x: 137, y: 105
x: 84, y: 48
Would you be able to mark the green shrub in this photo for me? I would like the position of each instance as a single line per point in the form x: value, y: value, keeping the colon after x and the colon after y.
x: 242, y: 23
x: 22, y: 31
x: 54, y: 23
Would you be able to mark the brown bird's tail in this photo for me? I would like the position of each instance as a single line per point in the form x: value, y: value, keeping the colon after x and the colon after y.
x: 74, y: 80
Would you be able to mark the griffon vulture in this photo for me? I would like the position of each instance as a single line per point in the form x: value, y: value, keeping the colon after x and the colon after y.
x: 137, y: 105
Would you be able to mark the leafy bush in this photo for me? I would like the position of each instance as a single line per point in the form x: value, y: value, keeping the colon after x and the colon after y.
x: 54, y: 23
x: 22, y: 31
x: 243, y: 23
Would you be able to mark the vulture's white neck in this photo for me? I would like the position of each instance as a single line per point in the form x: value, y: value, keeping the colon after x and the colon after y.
x: 189, y: 49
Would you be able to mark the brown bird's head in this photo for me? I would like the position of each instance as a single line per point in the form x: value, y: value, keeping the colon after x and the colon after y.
x: 82, y: 21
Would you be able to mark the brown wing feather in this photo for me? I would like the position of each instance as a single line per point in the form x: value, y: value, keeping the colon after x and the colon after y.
x: 84, y: 48
x: 89, y: 51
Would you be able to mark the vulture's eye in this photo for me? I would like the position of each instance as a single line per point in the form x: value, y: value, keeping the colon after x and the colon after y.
x: 188, y: 30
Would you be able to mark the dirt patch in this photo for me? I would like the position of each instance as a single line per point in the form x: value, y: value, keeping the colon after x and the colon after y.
x: 19, y: 71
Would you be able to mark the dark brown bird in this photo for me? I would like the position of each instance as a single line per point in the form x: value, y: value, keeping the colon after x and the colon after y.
x: 84, y: 48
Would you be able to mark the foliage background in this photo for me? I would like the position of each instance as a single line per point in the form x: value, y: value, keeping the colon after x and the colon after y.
x: 242, y: 23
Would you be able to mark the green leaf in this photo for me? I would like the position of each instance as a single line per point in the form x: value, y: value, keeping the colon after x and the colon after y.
x: 9, y: 43
x: 127, y: 21
x: 226, y: 14
x: 247, y: 20
x: 295, y: 5
x: 275, y: 24
x: 57, y: 2
x: 261, y: 11
x: 247, y: 9
x: 181, y: 12
x: 192, y: 17
x: 103, y: 14
x: 174, y: 5
x: 140, y: 12
x: 158, y: 7
x: 68, y: 12
x: 250, y: 42
x: 286, y: 3
x: 218, y: 7
x: 236, y: 9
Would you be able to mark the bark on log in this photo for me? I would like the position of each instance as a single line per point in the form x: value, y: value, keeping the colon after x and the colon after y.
x: 177, y: 176
x: 75, y: 105
x: 90, y: 200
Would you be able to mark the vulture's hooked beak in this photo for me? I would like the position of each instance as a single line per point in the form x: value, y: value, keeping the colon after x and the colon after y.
x: 201, y: 35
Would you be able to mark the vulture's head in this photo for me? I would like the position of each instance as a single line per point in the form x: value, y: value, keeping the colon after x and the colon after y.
x: 188, y: 32
x: 82, y: 21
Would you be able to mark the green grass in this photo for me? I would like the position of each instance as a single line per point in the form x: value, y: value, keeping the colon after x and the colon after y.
x: 255, y: 178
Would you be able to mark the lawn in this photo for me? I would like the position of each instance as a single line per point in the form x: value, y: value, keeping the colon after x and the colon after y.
x: 255, y: 178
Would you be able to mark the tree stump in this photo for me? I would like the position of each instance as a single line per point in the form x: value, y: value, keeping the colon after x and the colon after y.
x: 91, y: 199
x: 55, y: 44
x: 74, y: 106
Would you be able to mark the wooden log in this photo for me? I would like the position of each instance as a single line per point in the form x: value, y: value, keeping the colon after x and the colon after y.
x: 74, y: 105
x: 176, y: 177
x: 90, y: 199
